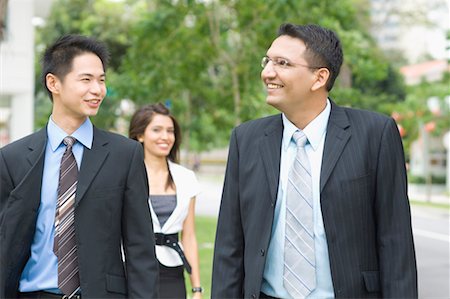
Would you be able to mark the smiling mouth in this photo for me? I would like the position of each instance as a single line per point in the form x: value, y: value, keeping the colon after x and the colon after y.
x: 273, y: 86
x: 94, y: 101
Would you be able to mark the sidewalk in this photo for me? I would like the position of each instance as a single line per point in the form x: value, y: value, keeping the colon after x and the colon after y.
x: 434, y: 193
x: 208, y: 202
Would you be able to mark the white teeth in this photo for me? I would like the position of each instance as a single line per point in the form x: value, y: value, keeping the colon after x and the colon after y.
x: 271, y: 85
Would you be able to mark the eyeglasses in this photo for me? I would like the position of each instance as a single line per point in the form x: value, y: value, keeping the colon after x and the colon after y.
x: 284, y: 63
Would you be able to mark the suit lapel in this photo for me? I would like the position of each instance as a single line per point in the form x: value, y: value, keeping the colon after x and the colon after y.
x: 92, y: 161
x: 36, y: 146
x: 30, y: 186
x: 335, y: 141
x: 270, y: 148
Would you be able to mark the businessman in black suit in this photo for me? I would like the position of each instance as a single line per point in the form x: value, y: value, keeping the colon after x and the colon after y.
x: 362, y: 244
x: 110, y: 209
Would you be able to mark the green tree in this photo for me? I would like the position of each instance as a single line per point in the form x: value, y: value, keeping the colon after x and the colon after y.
x: 202, y: 57
x: 205, y: 58
x: 169, y: 62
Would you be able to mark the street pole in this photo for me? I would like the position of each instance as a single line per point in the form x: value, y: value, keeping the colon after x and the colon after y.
x: 426, y: 161
x: 446, y: 141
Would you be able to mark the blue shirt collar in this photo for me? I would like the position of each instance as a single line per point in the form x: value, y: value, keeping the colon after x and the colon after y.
x: 313, y: 131
x: 84, y: 134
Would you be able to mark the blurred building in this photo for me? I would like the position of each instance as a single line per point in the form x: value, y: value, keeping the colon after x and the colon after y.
x: 415, y: 32
x: 427, y: 71
x: 428, y: 156
x: 17, y: 67
x: 413, y: 29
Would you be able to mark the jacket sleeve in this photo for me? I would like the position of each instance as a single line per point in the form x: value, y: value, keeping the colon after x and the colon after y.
x: 5, y: 184
x: 397, y: 259
x: 228, y: 268
x: 137, y: 232
x: 5, y: 189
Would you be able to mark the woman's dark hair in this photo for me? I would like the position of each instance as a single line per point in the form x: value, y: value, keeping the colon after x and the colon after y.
x: 144, y: 115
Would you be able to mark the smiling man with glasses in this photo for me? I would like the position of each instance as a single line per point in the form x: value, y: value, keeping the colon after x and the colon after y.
x: 315, y: 201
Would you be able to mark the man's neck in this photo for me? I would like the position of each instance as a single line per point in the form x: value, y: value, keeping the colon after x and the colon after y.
x: 67, y: 124
x: 304, y: 113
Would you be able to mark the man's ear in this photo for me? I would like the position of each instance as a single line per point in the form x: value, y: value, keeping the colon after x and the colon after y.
x: 53, y: 83
x: 322, y: 76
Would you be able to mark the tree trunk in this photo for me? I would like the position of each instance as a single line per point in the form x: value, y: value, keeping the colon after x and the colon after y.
x: 186, y: 96
x: 236, y: 96
x: 228, y: 61
x: 345, y: 76
x: 3, y: 6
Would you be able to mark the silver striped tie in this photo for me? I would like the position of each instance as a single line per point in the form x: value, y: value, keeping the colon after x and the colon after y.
x: 299, y: 260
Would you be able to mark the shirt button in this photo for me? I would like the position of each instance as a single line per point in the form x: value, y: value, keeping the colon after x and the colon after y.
x: 263, y: 252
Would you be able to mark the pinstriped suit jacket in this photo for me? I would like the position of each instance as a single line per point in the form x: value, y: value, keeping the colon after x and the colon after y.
x: 364, y: 205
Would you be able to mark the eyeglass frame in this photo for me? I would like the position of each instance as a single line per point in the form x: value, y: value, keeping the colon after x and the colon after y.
x: 266, y: 59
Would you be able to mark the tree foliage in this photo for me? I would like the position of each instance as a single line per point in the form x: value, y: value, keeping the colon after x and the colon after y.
x: 202, y: 57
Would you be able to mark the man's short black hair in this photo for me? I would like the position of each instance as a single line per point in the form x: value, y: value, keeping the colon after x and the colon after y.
x: 58, y: 57
x: 323, y: 47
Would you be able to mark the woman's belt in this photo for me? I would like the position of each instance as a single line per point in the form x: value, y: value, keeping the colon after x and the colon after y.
x: 172, y: 242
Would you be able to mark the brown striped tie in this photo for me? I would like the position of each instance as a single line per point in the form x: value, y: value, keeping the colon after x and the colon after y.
x: 65, y: 246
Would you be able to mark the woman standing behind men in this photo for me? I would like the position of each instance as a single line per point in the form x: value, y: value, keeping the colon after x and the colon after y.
x: 172, y: 199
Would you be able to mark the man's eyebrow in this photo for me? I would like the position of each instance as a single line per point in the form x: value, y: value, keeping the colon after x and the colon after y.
x: 91, y: 75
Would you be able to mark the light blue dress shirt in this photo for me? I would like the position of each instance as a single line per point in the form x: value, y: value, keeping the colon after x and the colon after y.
x: 272, y: 284
x: 41, y: 271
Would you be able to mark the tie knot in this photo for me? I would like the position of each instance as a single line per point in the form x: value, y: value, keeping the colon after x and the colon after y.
x: 69, y: 141
x: 300, y: 138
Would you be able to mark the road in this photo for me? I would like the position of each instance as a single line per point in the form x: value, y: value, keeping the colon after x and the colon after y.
x: 431, y: 237
x: 430, y: 228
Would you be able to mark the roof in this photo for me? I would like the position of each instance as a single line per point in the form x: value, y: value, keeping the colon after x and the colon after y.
x: 429, y: 71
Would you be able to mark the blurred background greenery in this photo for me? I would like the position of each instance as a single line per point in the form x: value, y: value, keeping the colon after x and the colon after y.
x: 202, y: 59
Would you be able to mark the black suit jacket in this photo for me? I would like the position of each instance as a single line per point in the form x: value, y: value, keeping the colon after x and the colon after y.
x: 363, y: 198
x: 110, y: 208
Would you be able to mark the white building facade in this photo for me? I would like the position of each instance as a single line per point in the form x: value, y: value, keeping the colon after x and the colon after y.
x: 17, y: 69
x: 414, y: 28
